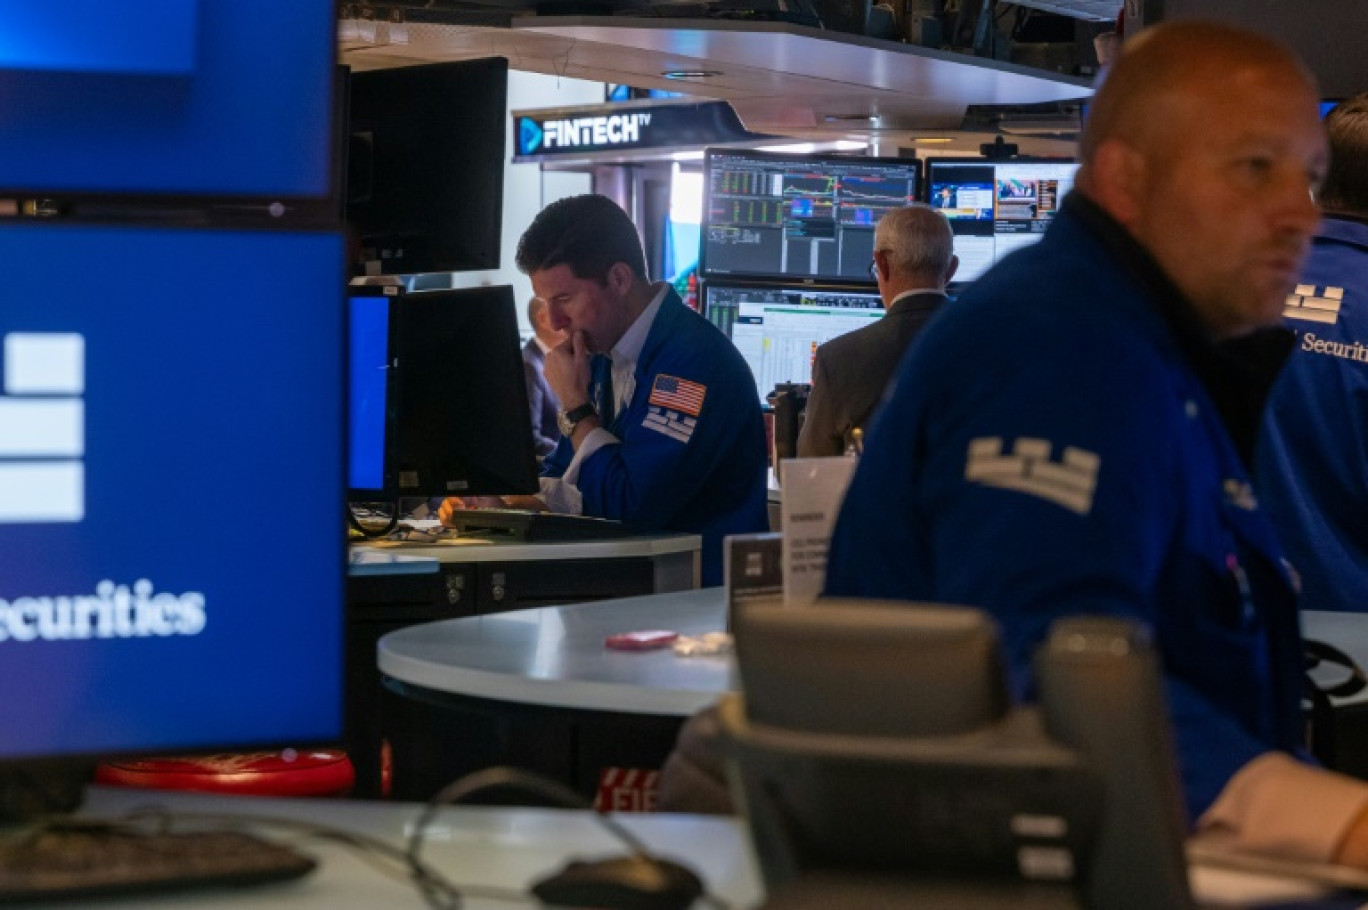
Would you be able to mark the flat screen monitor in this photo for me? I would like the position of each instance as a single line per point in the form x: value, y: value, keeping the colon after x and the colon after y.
x: 425, y: 160
x: 790, y: 217
x: 158, y: 427
x: 438, y: 399
x: 995, y: 207
x: 151, y: 97
x: 777, y: 328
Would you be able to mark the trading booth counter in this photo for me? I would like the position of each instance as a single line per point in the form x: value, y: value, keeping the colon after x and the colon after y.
x: 555, y: 656
x: 539, y: 689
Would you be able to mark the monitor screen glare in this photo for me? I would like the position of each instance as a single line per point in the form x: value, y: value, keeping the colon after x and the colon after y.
x: 996, y: 207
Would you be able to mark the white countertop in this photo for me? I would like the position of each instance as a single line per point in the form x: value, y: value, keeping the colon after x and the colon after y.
x: 475, y: 549
x: 554, y: 656
x: 499, y: 848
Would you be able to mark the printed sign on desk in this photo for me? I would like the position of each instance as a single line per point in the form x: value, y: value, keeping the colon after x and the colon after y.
x: 813, y: 491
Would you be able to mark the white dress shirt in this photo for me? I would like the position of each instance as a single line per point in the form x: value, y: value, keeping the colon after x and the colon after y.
x: 560, y: 493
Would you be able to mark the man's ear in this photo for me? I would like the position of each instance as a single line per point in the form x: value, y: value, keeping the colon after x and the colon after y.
x: 1117, y: 180
x: 621, y: 278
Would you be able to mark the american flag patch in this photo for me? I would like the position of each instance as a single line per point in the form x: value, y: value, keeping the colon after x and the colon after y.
x: 678, y: 394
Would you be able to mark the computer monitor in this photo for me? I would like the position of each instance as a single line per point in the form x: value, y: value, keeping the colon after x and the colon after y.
x: 188, y: 100
x: 777, y: 328
x: 438, y: 396
x: 425, y: 160
x: 171, y: 428
x: 995, y: 207
x: 789, y: 217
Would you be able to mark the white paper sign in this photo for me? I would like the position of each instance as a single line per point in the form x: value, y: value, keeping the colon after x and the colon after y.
x: 813, y: 491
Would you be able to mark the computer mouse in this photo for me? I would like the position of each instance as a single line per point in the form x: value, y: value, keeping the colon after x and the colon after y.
x: 621, y: 883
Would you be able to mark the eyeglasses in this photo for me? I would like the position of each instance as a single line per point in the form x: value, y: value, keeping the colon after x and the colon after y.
x: 874, y: 269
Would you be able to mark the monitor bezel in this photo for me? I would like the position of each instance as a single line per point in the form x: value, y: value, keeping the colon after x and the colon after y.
x: 396, y: 451
x: 75, y: 767
x: 710, y: 156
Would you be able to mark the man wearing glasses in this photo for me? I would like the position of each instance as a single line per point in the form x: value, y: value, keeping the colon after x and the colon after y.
x: 914, y: 260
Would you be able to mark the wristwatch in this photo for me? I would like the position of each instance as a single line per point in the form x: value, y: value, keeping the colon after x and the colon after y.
x: 568, y: 420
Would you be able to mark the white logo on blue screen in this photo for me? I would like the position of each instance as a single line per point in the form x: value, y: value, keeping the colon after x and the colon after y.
x: 42, y: 428
x: 114, y: 611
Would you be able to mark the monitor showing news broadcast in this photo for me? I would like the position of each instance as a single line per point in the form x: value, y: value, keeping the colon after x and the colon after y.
x: 995, y: 207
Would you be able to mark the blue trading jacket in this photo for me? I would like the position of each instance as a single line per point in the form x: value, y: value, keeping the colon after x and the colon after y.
x: 674, y: 471
x: 1312, y: 464
x: 1049, y: 450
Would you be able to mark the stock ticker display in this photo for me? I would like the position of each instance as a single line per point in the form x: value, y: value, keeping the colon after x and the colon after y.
x: 811, y: 217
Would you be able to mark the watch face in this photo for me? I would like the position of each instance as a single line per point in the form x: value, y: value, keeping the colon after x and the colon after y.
x: 566, y: 420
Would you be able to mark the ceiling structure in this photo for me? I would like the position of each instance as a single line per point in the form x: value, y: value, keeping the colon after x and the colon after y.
x: 782, y: 79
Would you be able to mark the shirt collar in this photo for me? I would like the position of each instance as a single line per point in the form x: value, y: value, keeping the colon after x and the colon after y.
x: 545, y: 348
x: 939, y: 292
x: 627, y: 351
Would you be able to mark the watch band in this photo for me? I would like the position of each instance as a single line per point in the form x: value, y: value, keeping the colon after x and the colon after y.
x: 568, y: 420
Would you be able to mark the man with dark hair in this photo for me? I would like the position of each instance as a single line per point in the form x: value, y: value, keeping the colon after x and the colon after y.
x: 1061, y: 441
x: 1312, y: 464
x: 660, y: 425
x: 541, y: 401
x: 914, y: 259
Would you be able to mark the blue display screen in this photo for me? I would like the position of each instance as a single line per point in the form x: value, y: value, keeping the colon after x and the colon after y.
x: 170, y: 399
x: 244, y: 109
x: 132, y: 36
x: 369, y: 387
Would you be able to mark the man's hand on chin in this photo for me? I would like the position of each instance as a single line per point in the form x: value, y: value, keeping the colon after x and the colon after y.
x: 454, y: 503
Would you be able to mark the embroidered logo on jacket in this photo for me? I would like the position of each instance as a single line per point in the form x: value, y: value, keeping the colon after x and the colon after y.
x: 678, y: 394
x: 672, y: 424
x: 1305, y: 304
x: 1070, y: 482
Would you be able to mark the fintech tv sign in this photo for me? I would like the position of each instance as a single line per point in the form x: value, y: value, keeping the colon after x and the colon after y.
x: 571, y: 133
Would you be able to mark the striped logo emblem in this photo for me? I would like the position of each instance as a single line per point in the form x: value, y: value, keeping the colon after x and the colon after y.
x: 1305, y: 304
x: 1070, y: 482
x: 42, y: 428
x: 674, y: 425
x: 678, y: 394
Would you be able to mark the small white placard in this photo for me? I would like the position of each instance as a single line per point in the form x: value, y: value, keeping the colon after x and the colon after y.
x: 813, y: 491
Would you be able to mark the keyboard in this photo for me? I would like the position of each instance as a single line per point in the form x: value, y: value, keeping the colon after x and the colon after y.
x: 77, y: 861
x: 533, y: 526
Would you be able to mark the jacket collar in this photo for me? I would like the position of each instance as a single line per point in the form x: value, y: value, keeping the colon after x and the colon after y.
x: 1237, y: 374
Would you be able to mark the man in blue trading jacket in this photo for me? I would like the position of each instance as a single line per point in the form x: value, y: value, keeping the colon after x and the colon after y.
x: 1312, y: 464
x: 1059, y: 442
x: 660, y: 425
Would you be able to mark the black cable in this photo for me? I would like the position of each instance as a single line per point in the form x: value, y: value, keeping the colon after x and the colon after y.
x: 355, y: 522
x: 530, y: 782
x: 426, y: 880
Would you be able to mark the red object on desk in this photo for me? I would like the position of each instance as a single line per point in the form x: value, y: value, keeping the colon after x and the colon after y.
x: 307, y: 772
x: 644, y: 640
